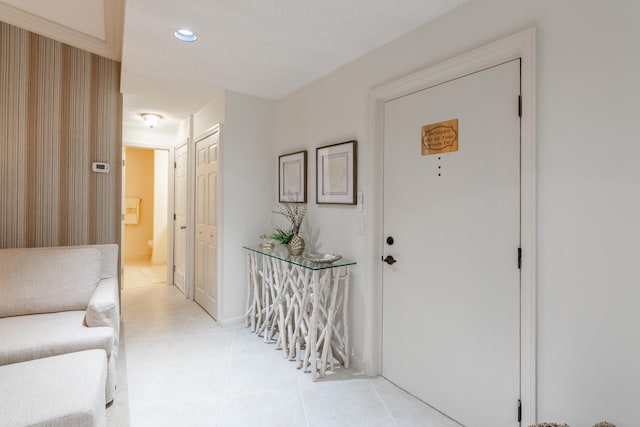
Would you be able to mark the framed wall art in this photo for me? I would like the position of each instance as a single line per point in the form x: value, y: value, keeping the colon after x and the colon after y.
x: 336, y: 173
x: 292, y: 181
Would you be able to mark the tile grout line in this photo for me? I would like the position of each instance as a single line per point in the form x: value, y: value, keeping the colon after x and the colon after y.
x: 226, y: 376
x: 375, y: 390
x: 304, y: 407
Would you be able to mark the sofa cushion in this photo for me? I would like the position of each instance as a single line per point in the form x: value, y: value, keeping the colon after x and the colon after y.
x: 36, y: 336
x: 42, y: 335
x: 65, y: 390
x: 47, y: 280
x: 109, y: 257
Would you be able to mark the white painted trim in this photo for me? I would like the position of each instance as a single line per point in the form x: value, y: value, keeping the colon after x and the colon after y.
x: 217, y: 128
x: 123, y: 186
x: 233, y: 321
x: 145, y: 145
x: 110, y: 47
x: 114, y: 28
x: 213, y: 129
x: 521, y: 45
x: 182, y: 143
x: 171, y: 208
x: 170, y: 205
x: 220, y: 227
x: 189, y: 274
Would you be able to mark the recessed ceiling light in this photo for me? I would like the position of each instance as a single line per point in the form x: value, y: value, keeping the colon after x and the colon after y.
x: 185, y: 35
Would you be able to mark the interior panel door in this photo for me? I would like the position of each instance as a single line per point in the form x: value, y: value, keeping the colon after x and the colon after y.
x: 206, y: 283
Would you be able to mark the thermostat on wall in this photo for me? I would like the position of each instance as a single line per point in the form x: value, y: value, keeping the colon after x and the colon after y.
x: 100, y: 167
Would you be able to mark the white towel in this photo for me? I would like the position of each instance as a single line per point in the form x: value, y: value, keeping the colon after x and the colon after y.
x: 131, y: 211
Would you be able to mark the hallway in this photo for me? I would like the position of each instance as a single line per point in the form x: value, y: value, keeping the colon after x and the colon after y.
x: 185, y: 370
x: 140, y: 274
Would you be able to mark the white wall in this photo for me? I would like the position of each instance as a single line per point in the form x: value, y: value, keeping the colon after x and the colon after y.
x: 248, y: 166
x: 209, y: 115
x: 588, y: 201
x: 183, y: 131
x: 139, y: 135
x: 161, y: 191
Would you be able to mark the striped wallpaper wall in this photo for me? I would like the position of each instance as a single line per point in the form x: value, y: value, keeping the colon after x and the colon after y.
x: 60, y: 110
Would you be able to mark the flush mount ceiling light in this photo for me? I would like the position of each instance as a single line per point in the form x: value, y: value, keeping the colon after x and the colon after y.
x: 185, y: 35
x: 151, y: 119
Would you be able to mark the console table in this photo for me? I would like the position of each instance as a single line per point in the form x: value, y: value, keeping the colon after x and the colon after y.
x: 299, y: 305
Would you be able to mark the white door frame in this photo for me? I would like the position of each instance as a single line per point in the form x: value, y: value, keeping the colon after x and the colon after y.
x: 521, y: 45
x: 183, y: 142
x: 170, y: 206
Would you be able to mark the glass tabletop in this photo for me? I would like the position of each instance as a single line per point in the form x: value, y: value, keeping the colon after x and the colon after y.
x: 280, y: 252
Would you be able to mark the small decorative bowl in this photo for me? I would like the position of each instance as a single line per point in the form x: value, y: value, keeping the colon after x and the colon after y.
x: 321, y: 258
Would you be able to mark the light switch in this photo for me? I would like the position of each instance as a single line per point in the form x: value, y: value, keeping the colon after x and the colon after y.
x: 360, y: 201
x: 360, y: 225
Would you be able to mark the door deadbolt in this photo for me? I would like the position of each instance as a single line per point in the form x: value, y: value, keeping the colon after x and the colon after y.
x: 389, y: 240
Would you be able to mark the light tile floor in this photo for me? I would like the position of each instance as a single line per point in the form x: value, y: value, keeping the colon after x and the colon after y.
x: 142, y: 273
x: 184, y: 370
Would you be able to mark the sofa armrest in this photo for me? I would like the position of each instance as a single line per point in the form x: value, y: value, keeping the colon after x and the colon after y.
x: 103, y: 309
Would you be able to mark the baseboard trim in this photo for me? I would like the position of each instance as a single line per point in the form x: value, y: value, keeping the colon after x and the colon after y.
x: 226, y: 323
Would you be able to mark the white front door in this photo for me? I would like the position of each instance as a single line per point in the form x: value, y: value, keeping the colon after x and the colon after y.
x: 206, y: 283
x: 180, y: 223
x: 451, y: 301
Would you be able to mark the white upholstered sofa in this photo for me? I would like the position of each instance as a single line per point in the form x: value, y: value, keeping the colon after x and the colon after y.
x: 60, y: 300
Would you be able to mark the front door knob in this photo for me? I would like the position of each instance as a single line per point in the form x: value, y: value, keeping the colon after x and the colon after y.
x: 389, y: 260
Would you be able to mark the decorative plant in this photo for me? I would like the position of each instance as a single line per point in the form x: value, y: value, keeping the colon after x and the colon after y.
x: 282, y: 236
x: 294, y: 213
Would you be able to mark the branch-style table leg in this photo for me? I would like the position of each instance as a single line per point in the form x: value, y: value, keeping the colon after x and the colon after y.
x: 248, y: 315
x: 313, y: 326
x: 299, y: 304
x: 345, y: 317
x: 267, y: 281
x: 334, y: 284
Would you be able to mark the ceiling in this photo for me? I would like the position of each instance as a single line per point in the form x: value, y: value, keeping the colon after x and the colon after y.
x: 93, y: 25
x: 268, y: 48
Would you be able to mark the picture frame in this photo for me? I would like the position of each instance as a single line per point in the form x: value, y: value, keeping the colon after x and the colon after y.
x: 336, y: 173
x: 292, y: 177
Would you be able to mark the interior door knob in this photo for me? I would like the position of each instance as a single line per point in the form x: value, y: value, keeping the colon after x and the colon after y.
x: 390, y: 260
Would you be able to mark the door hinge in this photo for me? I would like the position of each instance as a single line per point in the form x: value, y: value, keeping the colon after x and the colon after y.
x: 519, y: 105
x: 519, y: 411
x: 519, y: 257
x: 174, y: 217
x: 123, y: 162
x: 174, y: 268
x: 175, y: 165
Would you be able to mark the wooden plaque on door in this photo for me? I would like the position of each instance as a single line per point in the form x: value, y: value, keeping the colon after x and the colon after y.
x: 440, y: 137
